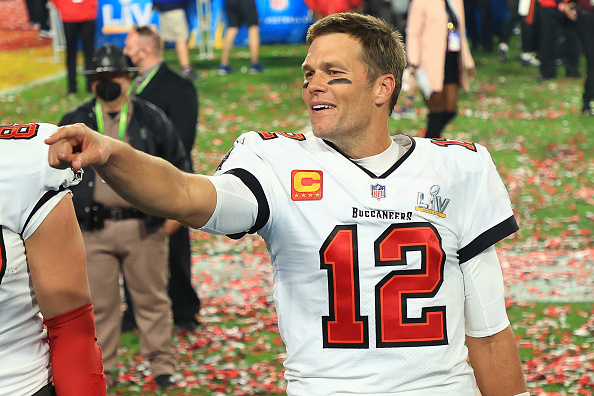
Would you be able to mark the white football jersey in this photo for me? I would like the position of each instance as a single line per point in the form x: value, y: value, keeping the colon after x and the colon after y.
x: 29, y: 190
x: 367, y: 280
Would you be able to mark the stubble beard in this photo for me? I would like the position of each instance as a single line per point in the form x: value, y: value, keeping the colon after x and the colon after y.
x: 340, y: 135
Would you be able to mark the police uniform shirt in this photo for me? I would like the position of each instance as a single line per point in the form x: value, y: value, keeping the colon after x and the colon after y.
x: 102, y: 193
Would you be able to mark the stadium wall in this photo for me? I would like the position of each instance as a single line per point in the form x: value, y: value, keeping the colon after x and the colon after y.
x: 281, y: 21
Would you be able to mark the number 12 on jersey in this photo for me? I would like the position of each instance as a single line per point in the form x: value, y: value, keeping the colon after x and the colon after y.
x: 345, y: 327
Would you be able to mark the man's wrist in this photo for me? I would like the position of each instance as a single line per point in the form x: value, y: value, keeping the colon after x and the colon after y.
x: 110, y: 148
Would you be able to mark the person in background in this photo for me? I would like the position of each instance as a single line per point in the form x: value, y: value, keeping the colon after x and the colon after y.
x: 119, y: 238
x: 405, y: 108
x: 79, y: 18
x: 400, y: 10
x: 42, y: 270
x: 173, y: 23
x: 241, y: 12
x: 381, y: 9
x: 177, y: 97
x: 558, y: 40
x: 385, y: 275
x: 39, y: 17
x: 582, y: 12
x: 322, y: 8
x: 529, y: 39
x: 436, y: 43
x: 480, y: 24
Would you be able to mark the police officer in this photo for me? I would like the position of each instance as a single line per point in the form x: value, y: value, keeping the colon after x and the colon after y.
x: 119, y: 238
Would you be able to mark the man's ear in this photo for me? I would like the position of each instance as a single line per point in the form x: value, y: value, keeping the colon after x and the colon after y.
x: 385, y: 86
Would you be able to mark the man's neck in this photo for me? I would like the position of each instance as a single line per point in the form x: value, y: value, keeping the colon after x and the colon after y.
x: 149, y: 63
x: 364, y: 143
x: 114, y: 105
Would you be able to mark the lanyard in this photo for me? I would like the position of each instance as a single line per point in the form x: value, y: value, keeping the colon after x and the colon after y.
x: 146, y: 80
x: 453, y: 19
x: 123, y: 119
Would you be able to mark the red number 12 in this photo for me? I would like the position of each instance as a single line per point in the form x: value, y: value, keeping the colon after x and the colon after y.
x: 345, y: 327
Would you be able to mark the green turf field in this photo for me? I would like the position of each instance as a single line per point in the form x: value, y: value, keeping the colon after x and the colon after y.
x: 542, y: 147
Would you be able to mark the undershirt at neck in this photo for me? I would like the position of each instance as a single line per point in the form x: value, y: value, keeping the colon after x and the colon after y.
x: 378, y: 164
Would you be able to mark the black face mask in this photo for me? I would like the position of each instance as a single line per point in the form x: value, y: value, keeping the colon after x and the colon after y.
x: 108, y: 90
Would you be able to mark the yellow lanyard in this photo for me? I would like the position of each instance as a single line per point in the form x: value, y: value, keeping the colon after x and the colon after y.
x: 123, y: 119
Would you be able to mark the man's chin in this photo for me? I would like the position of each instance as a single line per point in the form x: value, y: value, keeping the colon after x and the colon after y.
x: 319, y: 131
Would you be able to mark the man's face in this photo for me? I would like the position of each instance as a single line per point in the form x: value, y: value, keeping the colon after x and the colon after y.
x: 123, y: 79
x: 335, y: 89
x: 132, y: 48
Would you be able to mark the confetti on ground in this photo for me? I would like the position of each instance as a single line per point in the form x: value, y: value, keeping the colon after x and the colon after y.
x: 560, y: 355
x: 548, y: 274
x: 237, y: 349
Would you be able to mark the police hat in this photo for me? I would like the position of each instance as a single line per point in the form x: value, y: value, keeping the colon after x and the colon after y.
x: 109, y: 58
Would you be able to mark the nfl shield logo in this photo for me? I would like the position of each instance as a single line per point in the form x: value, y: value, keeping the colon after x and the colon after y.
x: 378, y: 191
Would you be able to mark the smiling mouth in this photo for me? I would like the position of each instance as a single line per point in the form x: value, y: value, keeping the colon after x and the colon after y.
x: 322, y: 107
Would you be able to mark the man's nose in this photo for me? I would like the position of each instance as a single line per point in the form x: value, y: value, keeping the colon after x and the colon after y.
x: 317, y: 83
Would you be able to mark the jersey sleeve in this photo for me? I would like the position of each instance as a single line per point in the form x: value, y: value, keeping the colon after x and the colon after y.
x: 30, y: 187
x: 490, y: 216
x: 245, y: 162
x: 236, y: 210
x: 484, y: 295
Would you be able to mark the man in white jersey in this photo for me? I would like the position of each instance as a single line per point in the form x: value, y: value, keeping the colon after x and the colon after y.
x: 385, y: 274
x: 42, y: 269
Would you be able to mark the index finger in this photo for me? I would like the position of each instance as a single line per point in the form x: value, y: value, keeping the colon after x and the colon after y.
x: 64, y: 132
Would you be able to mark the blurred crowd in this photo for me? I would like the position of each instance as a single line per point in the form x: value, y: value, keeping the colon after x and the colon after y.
x: 553, y: 34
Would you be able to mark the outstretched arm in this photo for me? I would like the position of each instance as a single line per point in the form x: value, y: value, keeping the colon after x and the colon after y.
x: 149, y: 183
x: 496, y: 364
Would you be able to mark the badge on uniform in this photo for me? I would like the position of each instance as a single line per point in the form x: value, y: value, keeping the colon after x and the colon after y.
x: 434, y: 204
x: 378, y: 191
x: 307, y: 185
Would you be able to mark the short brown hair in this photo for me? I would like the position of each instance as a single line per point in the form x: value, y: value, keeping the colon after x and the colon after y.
x: 152, y: 36
x: 382, y: 47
